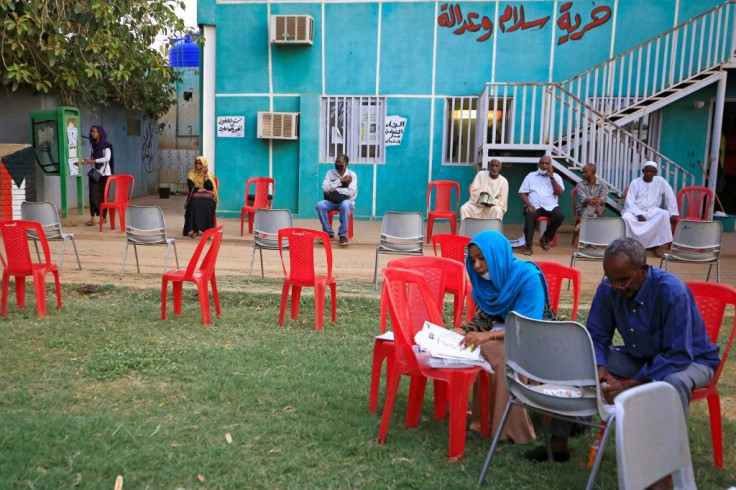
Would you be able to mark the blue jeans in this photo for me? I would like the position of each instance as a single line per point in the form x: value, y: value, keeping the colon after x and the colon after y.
x: 345, y: 207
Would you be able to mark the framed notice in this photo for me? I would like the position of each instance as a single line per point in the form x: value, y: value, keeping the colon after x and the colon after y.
x: 230, y: 126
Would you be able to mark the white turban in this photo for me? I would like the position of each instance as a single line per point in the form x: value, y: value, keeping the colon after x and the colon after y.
x: 649, y: 164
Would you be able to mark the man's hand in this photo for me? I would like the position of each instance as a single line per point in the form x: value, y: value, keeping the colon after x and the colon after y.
x: 673, y: 219
x: 611, y: 386
x: 346, y: 179
x: 641, y: 218
x: 596, y: 201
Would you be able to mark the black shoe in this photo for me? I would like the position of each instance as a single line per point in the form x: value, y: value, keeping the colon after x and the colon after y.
x: 343, y: 241
x: 539, y: 455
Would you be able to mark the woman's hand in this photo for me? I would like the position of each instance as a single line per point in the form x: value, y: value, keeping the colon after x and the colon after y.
x: 474, y: 339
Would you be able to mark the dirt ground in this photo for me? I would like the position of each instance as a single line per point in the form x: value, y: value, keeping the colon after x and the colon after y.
x: 101, y: 253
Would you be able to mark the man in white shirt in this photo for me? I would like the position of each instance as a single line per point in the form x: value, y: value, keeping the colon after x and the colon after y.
x: 645, y: 219
x: 489, y: 194
x: 340, y: 188
x: 539, y: 192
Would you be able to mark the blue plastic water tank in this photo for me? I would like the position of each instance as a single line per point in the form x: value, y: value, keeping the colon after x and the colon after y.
x: 184, y: 52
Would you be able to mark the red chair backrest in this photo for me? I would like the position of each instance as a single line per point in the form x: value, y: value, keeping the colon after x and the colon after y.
x: 437, y: 272
x: 207, y: 266
x: 555, y: 274
x: 712, y: 300
x: 124, y: 184
x: 301, y: 253
x: 695, y: 201
x: 260, y: 195
x: 451, y: 246
x: 411, y: 303
x: 574, y: 200
x: 443, y: 195
x: 15, y: 240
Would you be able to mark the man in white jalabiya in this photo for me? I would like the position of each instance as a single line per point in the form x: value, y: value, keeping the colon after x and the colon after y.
x: 489, y: 194
x: 645, y: 219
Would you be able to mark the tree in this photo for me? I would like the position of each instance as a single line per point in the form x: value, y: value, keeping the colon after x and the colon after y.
x: 91, y: 52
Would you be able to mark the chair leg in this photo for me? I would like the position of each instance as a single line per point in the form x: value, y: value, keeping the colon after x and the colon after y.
x: 39, y: 286
x: 166, y: 257
x: 459, y: 394
x: 430, y: 225
x: 125, y: 257
x: 137, y: 264
x: 164, y: 288
x: 6, y: 281
x: 176, y: 255
x: 496, y: 438
x: 714, y: 412
x: 417, y: 387
x: 122, y: 220
x: 58, y: 289
x: 382, y: 349
x: 112, y: 218
x: 457, y: 311
x: 20, y: 291
x: 260, y: 253
x: 319, y: 306
x: 393, y: 378
x: 61, y: 258
x: 453, y: 224
x: 375, y: 270
x: 599, y: 456
x: 215, y: 296
x: 284, y: 298
x: 79, y: 264
x: 252, y: 257
x: 204, y: 302
x: 251, y: 216
x: 242, y: 221
x: 441, y: 398
x: 333, y: 300
x: 38, y: 253
x: 177, y: 286
x: 296, y: 294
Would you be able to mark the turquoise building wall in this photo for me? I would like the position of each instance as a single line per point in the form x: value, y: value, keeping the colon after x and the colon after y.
x: 405, y: 51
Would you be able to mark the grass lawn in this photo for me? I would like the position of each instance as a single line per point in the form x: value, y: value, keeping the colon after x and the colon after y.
x: 104, y: 388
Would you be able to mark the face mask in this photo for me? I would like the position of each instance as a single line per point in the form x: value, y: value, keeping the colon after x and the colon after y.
x: 339, y: 167
x: 486, y: 276
x: 543, y: 172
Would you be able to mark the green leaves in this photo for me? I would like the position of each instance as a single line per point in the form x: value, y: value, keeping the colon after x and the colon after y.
x: 91, y: 53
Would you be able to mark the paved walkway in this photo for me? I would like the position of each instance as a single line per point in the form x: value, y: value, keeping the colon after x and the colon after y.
x: 101, y: 253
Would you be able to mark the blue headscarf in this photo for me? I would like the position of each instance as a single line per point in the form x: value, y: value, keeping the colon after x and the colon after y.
x: 98, y: 147
x: 515, y: 284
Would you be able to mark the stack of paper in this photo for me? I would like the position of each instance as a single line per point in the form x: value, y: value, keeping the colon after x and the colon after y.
x: 440, y: 348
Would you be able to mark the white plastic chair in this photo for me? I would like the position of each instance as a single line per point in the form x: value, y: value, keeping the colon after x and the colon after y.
x: 46, y: 214
x: 266, y: 226
x: 696, y: 241
x: 651, y: 438
x: 145, y: 225
x: 595, y: 236
x: 551, y: 368
x: 470, y: 227
x: 401, y: 234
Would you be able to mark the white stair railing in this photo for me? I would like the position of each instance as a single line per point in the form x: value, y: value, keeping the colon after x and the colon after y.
x: 650, y: 69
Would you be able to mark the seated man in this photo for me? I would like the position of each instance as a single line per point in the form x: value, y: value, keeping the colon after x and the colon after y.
x: 663, y: 333
x: 539, y: 192
x: 340, y: 187
x: 489, y: 194
x: 644, y: 219
x: 592, y: 194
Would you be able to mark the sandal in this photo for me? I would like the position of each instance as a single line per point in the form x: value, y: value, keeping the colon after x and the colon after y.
x: 90, y: 223
x: 544, y: 243
x: 528, y: 251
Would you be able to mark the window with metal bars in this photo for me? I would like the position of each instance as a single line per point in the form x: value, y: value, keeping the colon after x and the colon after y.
x: 353, y: 126
x: 460, y: 124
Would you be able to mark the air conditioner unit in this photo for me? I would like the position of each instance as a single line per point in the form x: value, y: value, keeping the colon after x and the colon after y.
x: 278, y: 125
x: 292, y: 29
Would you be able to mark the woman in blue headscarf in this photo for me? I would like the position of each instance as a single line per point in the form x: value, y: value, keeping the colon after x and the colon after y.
x: 103, y: 159
x: 501, y: 283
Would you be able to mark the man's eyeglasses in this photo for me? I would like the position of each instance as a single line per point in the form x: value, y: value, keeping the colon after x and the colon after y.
x: 617, y: 284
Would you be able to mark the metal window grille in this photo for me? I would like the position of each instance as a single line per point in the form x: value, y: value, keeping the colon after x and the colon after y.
x: 461, y: 115
x: 354, y: 126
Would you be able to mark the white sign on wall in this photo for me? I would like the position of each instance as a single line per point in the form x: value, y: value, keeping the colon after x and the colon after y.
x: 230, y: 126
x: 394, y: 132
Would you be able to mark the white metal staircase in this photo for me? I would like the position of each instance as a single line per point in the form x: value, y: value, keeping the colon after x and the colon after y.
x: 583, y: 119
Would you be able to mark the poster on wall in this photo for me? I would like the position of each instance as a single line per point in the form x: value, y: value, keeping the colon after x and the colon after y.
x: 368, y: 125
x: 71, y: 137
x: 394, y: 132
x: 231, y: 127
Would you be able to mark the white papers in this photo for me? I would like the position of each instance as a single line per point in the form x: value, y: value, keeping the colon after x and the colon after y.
x: 440, y: 347
x: 73, y: 169
x: 388, y: 335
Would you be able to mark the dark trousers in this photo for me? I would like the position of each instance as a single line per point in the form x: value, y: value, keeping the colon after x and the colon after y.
x: 556, y: 217
x: 97, y: 196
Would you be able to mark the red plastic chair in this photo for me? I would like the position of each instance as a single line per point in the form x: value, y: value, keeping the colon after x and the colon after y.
x: 199, y: 273
x: 20, y: 265
x: 123, y: 194
x: 555, y: 273
x: 545, y: 220
x: 302, y: 273
x: 440, y: 274
x: 443, y: 208
x: 331, y: 214
x: 695, y: 201
x: 578, y: 218
x: 453, y: 247
x: 260, y: 199
x: 411, y: 303
x: 712, y: 300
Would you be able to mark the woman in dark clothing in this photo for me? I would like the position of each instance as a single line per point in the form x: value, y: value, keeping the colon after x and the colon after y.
x: 199, y: 214
x: 103, y: 160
